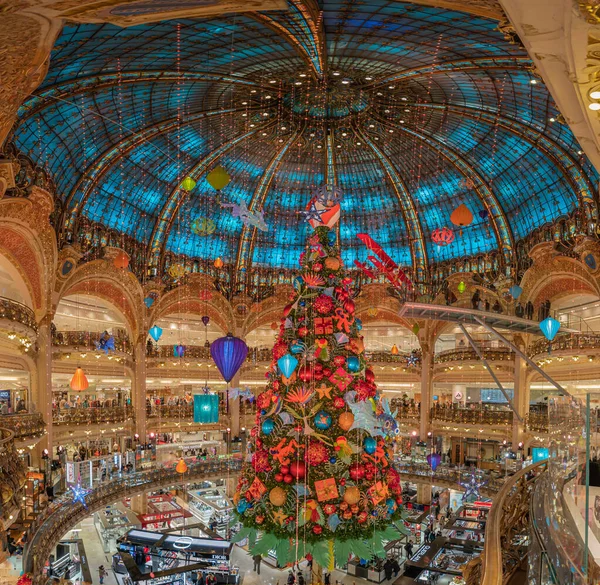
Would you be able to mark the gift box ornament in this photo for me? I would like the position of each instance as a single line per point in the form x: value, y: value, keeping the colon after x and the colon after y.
x: 326, y: 489
x: 323, y: 325
x: 378, y: 492
x: 341, y: 379
x: 257, y: 489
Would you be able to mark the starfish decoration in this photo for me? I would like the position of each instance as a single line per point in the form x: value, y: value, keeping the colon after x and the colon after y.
x: 472, y: 486
x: 79, y: 494
x: 329, y: 195
x: 279, y: 517
x: 312, y: 213
x: 324, y: 391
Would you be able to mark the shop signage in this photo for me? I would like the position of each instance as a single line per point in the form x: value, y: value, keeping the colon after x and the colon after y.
x: 4, y: 394
x: 161, y: 517
x: 420, y: 553
x: 183, y: 543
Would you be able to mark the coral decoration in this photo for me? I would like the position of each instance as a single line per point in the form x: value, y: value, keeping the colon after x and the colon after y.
x: 320, y: 470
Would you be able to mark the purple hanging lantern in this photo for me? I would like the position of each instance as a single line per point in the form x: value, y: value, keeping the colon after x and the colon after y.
x: 178, y: 350
x: 205, y: 320
x: 434, y: 460
x: 228, y: 353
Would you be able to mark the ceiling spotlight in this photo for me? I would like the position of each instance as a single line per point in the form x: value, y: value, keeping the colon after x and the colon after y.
x: 252, y: 125
x: 552, y: 119
x: 339, y: 146
x: 346, y: 81
x: 344, y: 134
x: 376, y: 137
x: 281, y: 140
x: 273, y: 81
x: 391, y: 131
x: 407, y: 110
x: 401, y: 121
x: 533, y: 81
x: 244, y: 115
x: 252, y: 91
x: 284, y: 127
x: 312, y: 134
x: 371, y: 125
x: 404, y: 99
x: 368, y: 78
x: 337, y: 73
x: 594, y: 106
x: 244, y: 103
x: 319, y: 146
x: 298, y: 83
x: 265, y: 114
x: 580, y: 152
x: 391, y: 86
x: 387, y: 111
x: 302, y: 75
x: 359, y: 144
x: 379, y: 93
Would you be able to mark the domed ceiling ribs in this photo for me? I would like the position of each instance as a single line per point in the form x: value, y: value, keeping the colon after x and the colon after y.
x: 247, y: 239
x: 568, y: 165
x: 160, y: 233
x: 307, y: 36
x: 47, y: 97
x: 418, y: 249
x: 101, y: 165
x: 504, y: 235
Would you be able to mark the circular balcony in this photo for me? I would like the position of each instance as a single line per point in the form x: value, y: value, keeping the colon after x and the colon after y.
x: 471, y: 416
x: 565, y: 344
x: 82, y: 345
x: 92, y: 415
x: 25, y: 426
x: 468, y: 354
x: 18, y: 322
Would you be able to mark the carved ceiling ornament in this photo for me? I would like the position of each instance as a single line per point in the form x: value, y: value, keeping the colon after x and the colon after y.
x: 590, y: 9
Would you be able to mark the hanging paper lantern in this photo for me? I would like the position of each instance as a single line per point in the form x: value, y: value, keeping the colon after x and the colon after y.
x: 218, y: 263
x: 79, y: 382
x: 218, y: 178
x: 461, y: 216
x: 228, y: 353
x: 462, y: 287
x: 206, y: 408
x: 188, y: 184
x: 155, y: 333
x: 483, y: 214
x: 148, y: 301
x: 121, y: 260
x: 550, y: 327
x: 515, y: 291
x: 205, y: 320
x: 178, y: 350
x: 181, y: 467
x: 176, y: 271
x: 434, y: 460
x: 287, y: 364
x: 415, y: 329
x: 394, y: 350
x: 442, y: 236
x: 369, y: 445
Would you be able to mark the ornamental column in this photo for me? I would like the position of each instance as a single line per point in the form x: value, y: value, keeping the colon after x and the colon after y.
x: 522, y: 394
x: 426, y: 387
x: 138, y: 387
x: 43, y: 395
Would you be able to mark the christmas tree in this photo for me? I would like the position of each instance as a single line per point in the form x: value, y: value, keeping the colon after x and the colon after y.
x: 321, y: 479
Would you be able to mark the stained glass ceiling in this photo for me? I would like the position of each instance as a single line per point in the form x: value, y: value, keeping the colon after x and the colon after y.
x: 411, y: 110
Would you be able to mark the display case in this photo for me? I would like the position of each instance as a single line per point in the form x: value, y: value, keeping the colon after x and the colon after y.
x: 112, y: 523
x: 213, y: 508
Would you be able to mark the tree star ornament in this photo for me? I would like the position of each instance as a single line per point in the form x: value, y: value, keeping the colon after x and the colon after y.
x: 312, y: 213
x: 472, y: 486
x: 79, y: 494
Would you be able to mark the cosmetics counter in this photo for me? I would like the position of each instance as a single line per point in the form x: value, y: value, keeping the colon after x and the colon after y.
x: 213, y: 508
x: 112, y: 523
x: 69, y: 561
x: 468, y: 523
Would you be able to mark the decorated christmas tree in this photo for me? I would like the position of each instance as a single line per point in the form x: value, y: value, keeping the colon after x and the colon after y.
x: 321, y: 479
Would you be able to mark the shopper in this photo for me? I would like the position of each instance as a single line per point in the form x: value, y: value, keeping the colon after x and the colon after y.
x: 102, y: 574
x: 291, y: 579
x: 387, y: 569
x: 257, y: 560
x: 327, y: 578
x: 408, y: 547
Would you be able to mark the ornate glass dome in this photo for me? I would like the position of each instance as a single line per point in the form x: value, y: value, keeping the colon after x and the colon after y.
x: 410, y: 110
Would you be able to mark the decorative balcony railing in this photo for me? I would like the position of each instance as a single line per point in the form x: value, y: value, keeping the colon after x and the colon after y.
x: 24, y: 426
x: 565, y: 342
x: 86, y: 340
x: 537, y: 422
x: 405, y: 410
x: 12, y: 476
x: 470, y: 416
x: 92, y: 415
x: 496, y: 354
x: 63, y: 514
x: 506, y: 528
x: 17, y: 312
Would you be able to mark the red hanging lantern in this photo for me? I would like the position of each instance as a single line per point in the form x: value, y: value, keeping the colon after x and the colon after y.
x: 121, y: 260
x: 442, y: 236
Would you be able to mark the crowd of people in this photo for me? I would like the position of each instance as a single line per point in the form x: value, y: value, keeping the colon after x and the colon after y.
x: 64, y: 402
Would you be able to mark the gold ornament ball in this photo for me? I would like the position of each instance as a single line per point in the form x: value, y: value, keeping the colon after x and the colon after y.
x: 277, y: 496
x: 346, y: 420
x: 352, y: 495
x: 332, y: 263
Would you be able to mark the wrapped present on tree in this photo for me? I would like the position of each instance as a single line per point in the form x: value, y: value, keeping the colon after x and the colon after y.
x: 341, y: 378
x: 378, y: 492
x: 257, y: 489
x: 326, y: 489
x: 323, y: 325
x: 356, y: 345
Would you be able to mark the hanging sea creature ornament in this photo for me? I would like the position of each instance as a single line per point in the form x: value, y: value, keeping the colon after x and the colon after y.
x: 442, y: 237
x: 461, y: 217
x: 155, y: 332
x: 79, y: 494
x: 287, y: 364
x: 550, y: 327
x: 218, y: 178
x: 188, y: 184
x: 106, y: 343
x: 203, y: 226
x: 383, y: 264
x: 248, y: 218
x: 515, y: 291
x: 329, y: 195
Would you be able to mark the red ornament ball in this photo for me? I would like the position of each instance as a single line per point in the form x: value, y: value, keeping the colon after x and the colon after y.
x: 316, y: 454
x: 369, y: 375
x: 305, y: 373
x: 317, y: 529
x: 339, y: 360
x: 356, y: 471
x: 339, y: 402
x: 288, y: 478
x: 317, y: 267
x: 298, y: 469
x: 349, y: 306
x: 278, y: 477
x: 260, y: 519
x: 302, y: 331
x: 324, y: 304
x: 362, y: 517
x: 284, y: 469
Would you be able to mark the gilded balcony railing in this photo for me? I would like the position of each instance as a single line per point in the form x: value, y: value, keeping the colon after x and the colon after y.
x: 17, y: 312
x: 24, y: 426
x: 495, y: 354
x: 536, y: 420
x: 86, y: 340
x: 565, y: 342
x: 92, y: 415
x: 12, y: 477
x: 471, y: 416
x: 506, y: 527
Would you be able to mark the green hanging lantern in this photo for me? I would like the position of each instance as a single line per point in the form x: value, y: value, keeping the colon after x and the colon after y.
x: 462, y: 287
x: 188, y: 184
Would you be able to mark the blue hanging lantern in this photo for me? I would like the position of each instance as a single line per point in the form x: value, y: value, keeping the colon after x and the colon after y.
x: 178, y: 350
x: 228, y: 353
x: 515, y: 291
x: 206, y: 408
x: 155, y: 333
x: 287, y: 364
x: 434, y: 460
x: 550, y: 327
x: 148, y: 301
